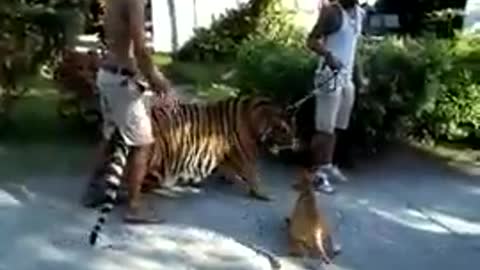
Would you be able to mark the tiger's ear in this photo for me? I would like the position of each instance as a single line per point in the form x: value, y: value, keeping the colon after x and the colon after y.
x: 290, y: 111
x: 289, y: 115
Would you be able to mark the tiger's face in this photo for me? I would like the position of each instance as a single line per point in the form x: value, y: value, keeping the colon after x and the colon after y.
x: 280, y: 133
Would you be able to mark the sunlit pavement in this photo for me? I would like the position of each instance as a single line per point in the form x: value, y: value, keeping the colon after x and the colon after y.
x: 403, y: 211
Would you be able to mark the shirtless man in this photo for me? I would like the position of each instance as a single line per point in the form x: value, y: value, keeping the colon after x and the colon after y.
x: 122, y: 100
x: 334, y: 38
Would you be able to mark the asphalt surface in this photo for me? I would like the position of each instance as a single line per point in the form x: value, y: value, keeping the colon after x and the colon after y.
x: 401, y: 211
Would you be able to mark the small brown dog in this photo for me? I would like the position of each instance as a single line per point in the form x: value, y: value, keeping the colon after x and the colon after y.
x: 307, y: 228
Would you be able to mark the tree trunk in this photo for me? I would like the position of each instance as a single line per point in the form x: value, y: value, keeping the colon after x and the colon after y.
x: 173, y: 24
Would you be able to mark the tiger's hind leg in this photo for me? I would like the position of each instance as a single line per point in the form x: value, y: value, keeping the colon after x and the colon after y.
x: 222, y: 178
x: 150, y: 183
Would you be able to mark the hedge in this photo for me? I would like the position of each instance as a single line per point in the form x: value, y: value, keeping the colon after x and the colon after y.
x: 422, y: 88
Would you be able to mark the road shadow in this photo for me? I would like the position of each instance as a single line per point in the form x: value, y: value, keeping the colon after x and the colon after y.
x: 403, y: 211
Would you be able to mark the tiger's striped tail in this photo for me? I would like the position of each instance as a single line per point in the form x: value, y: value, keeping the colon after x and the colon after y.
x: 116, y: 163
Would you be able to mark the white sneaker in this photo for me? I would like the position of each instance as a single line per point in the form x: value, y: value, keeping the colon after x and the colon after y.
x: 334, y: 172
x: 322, y: 184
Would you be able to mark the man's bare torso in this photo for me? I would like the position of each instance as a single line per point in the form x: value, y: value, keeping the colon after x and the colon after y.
x: 117, y: 34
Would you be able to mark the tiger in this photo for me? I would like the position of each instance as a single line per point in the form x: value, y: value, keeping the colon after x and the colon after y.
x: 199, y: 138
x: 76, y: 72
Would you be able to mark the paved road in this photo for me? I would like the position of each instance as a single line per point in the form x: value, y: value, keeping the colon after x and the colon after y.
x: 403, y: 211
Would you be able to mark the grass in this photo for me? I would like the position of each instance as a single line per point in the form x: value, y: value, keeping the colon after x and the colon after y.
x: 459, y: 156
x: 35, y: 118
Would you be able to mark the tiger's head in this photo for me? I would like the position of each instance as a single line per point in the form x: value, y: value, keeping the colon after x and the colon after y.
x: 273, y: 125
x: 76, y: 72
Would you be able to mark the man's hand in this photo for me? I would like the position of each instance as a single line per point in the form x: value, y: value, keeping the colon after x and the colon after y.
x: 158, y: 82
x: 168, y: 100
x: 164, y: 95
x: 332, y: 62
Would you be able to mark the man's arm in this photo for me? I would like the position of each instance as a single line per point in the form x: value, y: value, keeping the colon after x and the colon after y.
x: 136, y: 15
x: 329, y: 21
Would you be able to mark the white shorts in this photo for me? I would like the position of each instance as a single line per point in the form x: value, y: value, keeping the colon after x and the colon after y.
x: 124, y: 107
x: 334, y: 100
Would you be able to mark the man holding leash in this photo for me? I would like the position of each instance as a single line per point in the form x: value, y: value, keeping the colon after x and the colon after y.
x: 334, y: 38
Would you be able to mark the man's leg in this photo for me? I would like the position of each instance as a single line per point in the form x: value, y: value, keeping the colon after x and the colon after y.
x: 326, y: 166
x: 323, y: 141
x: 138, y: 135
x: 321, y: 145
x: 327, y: 109
x: 341, y: 123
x: 130, y: 116
x: 135, y: 174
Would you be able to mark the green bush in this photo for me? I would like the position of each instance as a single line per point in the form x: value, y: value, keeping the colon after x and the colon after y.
x: 274, y: 70
x: 453, y: 114
x: 466, y: 54
x: 403, y: 77
x: 273, y: 59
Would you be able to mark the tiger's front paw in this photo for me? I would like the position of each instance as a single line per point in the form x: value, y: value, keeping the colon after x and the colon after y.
x: 260, y: 196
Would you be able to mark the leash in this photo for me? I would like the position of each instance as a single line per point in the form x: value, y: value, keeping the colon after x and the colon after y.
x: 292, y: 110
x: 296, y: 105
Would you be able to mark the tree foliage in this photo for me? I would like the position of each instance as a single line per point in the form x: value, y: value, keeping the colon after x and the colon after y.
x: 417, y: 16
x: 94, y: 20
x: 32, y: 33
